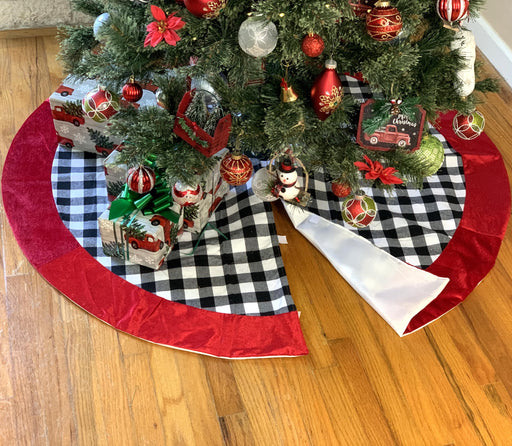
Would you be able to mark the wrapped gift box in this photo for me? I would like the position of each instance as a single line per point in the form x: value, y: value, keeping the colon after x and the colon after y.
x: 214, y: 189
x: 115, y: 173
x: 145, y: 240
x: 75, y: 129
x: 195, y: 216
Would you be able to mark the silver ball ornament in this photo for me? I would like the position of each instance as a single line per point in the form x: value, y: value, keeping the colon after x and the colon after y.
x: 99, y: 22
x: 257, y: 36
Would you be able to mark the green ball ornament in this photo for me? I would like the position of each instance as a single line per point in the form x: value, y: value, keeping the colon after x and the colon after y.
x: 358, y: 210
x: 430, y: 154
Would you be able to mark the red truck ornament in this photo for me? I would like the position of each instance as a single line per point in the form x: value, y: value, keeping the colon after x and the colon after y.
x: 399, y: 131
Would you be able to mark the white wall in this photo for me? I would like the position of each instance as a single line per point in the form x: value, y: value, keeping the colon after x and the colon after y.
x: 498, y: 13
x: 17, y: 14
x: 493, y: 35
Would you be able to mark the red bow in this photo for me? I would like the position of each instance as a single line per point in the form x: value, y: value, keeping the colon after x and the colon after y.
x: 376, y: 171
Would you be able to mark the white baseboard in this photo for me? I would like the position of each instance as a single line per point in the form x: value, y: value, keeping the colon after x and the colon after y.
x: 493, y: 47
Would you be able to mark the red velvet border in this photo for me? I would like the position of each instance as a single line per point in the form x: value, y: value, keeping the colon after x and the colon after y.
x: 472, y: 252
x: 55, y: 253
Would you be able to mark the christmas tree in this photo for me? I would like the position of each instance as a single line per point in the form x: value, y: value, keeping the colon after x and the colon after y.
x: 272, y: 66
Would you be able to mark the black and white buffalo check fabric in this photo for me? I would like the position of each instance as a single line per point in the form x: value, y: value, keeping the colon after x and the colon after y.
x: 245, y: 274
x: 241, y: 275
x: 414, y: 225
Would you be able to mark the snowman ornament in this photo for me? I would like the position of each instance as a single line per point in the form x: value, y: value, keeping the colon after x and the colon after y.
x: 286, y: 185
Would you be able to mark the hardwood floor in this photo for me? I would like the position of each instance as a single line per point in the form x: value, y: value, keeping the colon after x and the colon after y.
x: 67, y: 378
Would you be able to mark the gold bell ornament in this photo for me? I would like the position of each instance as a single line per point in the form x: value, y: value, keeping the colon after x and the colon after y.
x: 287, y: 93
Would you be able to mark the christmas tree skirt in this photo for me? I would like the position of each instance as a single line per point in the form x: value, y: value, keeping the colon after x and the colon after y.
x: 231, y: 297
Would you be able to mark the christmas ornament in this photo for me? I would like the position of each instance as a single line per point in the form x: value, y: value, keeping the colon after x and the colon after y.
x: 161, y: 99
x: 383, y: 22
x: 141, y: 179
x: 312, y: 45
x: 236, y: 169
x: 132, y: 91
x: 452, y: 10
x: 257, y: 36
x: 100, y: 104
x: 362, y: 7
x: 206, y: 9
x: 340, y: 188
x: 186, y: 195
x: 468, y: 126
x: 287, y: 93
x: 262, y: 184
x: 464, y: 44
x: 381, y: 128
x: 430, y: 154
x: 395, y: 106
x: 286, y: 185
x: 209, y: 95
x: 99, y: 22
x: 163, y: 28
x: 327, y: 91
x: 358, y: 210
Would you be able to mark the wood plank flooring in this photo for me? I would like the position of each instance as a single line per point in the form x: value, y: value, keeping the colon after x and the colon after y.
x: 67, y: 378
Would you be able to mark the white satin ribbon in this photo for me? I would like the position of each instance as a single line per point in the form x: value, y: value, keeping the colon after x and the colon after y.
x: 396, y: 290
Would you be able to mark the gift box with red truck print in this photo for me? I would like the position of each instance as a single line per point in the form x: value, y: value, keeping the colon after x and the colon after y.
x: 75, y: 129
x: 145, y: 240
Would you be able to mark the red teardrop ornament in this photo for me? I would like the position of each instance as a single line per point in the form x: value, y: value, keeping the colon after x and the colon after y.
x: 327, y: 91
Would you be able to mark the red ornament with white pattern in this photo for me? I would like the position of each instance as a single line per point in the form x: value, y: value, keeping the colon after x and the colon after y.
x: 383, y: 22
x: 327, y: 91
x: 132, y: 91
x: 236, y: 169
x: 452, y: 10
x: 186, y: 195
x: 469, y: 126
x: 312, y: 45
x: 359, y: 210
x: 141, y: 179
x: 100, y: 104
x: 206, y: 9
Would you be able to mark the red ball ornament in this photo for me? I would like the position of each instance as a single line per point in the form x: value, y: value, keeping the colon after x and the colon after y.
x: 383, y: 22
x: 452, y: 10
x: 141, y: 179
x: 186, y: 195
x: 469, y: 126
x: 100, y: 104
x: 313, y: 45
x: 359, y: 210
x: 132, y: 91
x: 236, y: 169
x: 327, y: 91
x: 341, y: 189
x: 206, y: 9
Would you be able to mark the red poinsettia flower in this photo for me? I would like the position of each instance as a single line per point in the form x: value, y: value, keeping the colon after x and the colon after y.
x: 376, y: 171
x: 164, y: 28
